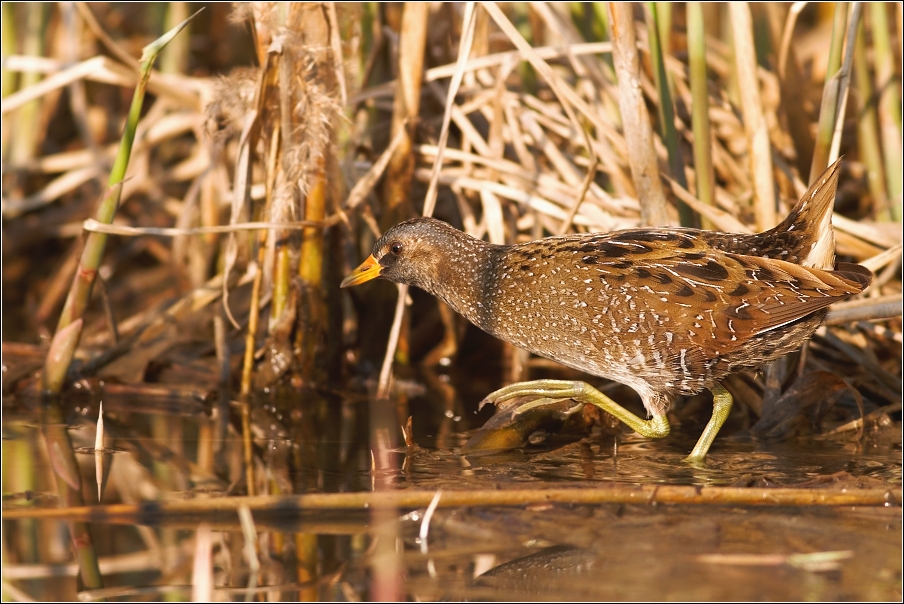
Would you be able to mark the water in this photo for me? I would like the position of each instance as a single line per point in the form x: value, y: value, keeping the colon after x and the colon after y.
x: 176, y: 448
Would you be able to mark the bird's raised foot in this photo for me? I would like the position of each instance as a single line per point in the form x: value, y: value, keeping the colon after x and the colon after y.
x: 582, y: 392
x: 551, y: 389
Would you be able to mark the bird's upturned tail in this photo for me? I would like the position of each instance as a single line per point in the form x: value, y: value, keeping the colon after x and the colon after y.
x: 810, y: 222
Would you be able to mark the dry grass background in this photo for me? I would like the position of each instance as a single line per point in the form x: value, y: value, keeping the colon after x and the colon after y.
x: 279, y: 140
x: 322, y: 131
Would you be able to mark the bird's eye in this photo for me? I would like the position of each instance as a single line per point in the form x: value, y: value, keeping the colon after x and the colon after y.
x: 395, y: 247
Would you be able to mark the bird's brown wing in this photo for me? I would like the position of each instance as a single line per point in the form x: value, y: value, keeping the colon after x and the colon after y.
x: 708, y: 300
x: 780, y: 292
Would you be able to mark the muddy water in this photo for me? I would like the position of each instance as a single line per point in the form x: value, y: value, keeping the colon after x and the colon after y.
x: 177, y: 448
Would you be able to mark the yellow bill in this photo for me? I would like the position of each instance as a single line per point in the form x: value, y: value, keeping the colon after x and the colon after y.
x: 369, y: 269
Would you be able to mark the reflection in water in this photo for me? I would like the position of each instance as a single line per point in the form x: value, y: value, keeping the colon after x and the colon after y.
x: 160, y: 451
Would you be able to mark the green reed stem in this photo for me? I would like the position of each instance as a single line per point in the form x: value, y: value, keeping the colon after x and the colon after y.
x: 8, y: 45
x: 828, y: 112
x: 664, y: 24
x: 65, y: 341
x: 666, y: 109
x: 27, y: 118
x: 175, y: 58
x: 80, y: 293
x: 703, y: 153
x: 868, y: 131
x: 889, y: 87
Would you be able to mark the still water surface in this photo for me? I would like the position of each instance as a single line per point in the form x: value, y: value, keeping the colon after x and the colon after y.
x: 167, y: 450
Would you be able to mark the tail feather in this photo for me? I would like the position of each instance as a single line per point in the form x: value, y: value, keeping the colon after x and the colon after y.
x: 855, y: 273
x: 811, y: 218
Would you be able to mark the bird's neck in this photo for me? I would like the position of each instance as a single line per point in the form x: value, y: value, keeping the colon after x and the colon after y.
x: 467, y: 280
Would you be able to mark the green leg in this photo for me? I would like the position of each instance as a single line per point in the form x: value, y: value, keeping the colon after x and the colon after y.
x: 721, y: 406
x: 655, y: 427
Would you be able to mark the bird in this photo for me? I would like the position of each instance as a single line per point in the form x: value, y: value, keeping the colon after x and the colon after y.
x: 667, y: 311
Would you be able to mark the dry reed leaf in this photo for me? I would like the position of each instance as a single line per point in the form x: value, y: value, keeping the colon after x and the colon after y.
x: 478, y: 63
x: 868, y: 232
x: 865, y: 309
x: 524, y: 198
x: 639, y: 140
x: 722, y: 220
x: 760, y: 155
x: 54, y: 82
x: 607, y: 209
x: 492, y: 216
x: 182, y: 90
x: 68, y: 160
x: 56, y: 188
x: 130, y: 231
x: 31, y: 64
x: 516, y: 136
x: 882, y: 260
x: 366, y: 183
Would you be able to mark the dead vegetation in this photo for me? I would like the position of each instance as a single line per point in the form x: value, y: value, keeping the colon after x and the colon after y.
x: 279, y: 140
